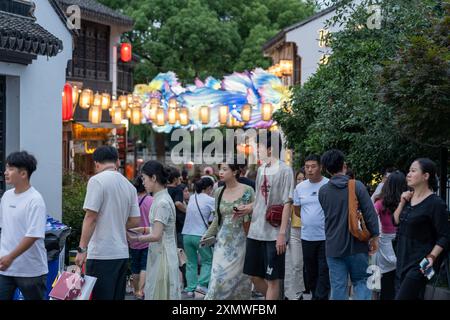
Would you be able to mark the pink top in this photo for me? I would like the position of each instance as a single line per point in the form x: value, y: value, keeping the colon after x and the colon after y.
x: 145, y: 210
x: 387, y: 226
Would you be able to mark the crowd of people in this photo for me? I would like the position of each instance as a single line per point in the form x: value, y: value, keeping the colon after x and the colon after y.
x: 232, y: 237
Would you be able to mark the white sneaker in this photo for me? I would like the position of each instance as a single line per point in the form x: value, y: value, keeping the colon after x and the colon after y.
x: 202, y: 290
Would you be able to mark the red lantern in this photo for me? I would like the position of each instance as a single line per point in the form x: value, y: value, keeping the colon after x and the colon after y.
x: 125, y: 52
x: 67, y: 103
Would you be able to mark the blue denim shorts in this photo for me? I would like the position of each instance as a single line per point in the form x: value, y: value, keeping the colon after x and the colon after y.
x: 138, y: 260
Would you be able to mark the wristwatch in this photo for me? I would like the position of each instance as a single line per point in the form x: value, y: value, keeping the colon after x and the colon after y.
x: 81, y: 250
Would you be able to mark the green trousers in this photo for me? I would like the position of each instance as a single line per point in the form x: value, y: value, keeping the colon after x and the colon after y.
x: 192, y: 249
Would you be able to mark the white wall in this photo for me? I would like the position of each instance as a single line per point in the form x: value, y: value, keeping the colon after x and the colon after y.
x: 307, y: 39
x: 39, y: 107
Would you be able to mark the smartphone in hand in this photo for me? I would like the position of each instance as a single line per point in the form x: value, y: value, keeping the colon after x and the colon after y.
x: 429, y: 273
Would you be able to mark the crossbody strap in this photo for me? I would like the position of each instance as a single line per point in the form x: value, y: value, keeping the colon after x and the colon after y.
x: 200, y: 211
x: 142, y: 200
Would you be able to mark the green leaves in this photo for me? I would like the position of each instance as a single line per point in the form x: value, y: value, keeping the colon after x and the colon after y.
x: 206, y: 37
x: 341, y: 105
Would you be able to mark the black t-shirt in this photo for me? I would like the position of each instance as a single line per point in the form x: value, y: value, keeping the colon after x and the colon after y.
x: 177, y: 195
x: 421, y: 227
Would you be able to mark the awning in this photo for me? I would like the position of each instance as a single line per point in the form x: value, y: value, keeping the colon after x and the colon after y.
x: 22, y: 34
x: 103, y: 125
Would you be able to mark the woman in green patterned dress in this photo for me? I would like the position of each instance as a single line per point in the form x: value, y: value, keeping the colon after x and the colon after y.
x: 228, y: 282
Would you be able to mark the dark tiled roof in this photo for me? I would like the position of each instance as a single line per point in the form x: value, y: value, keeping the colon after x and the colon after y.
x: 94, y: 9
x: 22, y: 34
x: 283, y: 32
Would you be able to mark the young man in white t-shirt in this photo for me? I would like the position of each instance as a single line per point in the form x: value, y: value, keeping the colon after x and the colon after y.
x: 306, y: 202
x: 23, y: 257
x: 266, y: 244
x: 112, y: 207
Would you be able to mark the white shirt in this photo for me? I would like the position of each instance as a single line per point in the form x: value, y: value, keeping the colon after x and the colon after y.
x: 279, y: 190
x: 115, y: 199
x: 194, y: 225
x: 306, y: 195
x: 23, y: 215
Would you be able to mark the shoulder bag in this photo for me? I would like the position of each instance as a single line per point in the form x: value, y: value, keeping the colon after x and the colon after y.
x: 356, y: 223
x: 274, y: 213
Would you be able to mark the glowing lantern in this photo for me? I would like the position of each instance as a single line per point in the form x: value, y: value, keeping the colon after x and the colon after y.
x: 130, y: 99
x: 155, y: 101
x: 136, y: 115
x: 223, y: 114
x: 204, y: 114
x: 67, y: 102
x: 286, y: 67
x: 123, y: 102
x: 266, y: 111
x: 153, y: 111
x: 128, y: 113
x: 95, y: 114
x: 173, y: 103
x: 116, y: 115
x: 98, y: 100
x: 172, y: 115
x: 86, y: 99
x: 246, y: 112
x: 75, y: 95
x: 184, y: 116
x: 125, y: 52
x: 160, y: 117
x: 106, y: 101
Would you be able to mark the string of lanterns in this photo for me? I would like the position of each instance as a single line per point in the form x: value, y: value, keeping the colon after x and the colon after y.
x: 122, y: 108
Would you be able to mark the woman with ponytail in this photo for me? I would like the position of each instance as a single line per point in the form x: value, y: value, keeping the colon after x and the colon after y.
x: 423, y: 232
x: 198, y: 215
x: 162, y: 281
x: 228, y: 282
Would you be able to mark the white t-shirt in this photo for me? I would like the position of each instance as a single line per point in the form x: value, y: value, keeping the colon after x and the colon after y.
x: 115, y: 199
x: 278, y: 190
x: 23, y: 215
x: 194, y: 225
x: 306, y: 195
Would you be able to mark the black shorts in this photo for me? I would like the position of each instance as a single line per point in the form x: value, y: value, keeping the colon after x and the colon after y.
x: 138, y: 259
x: 261, y: 260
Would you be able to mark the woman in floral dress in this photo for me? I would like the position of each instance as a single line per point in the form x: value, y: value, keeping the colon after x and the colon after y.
x: 162, y: 281
x: 228, y: 282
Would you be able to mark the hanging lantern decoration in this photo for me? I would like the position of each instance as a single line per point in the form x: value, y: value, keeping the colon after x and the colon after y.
x: 266, y: 111
x: 67, y: 102
x: 125, y: 52
x: 136, y: 115
x: 123, y: 102
x: 114, y: 105
x: 153, y: 111
x: 173, y: 103
x: 95, y: 114
x: 75, y: 95
x: 246, y: 112
x: 183, y: 115
x: 130, y: 99
x: 128, y: 113
x: 155, y: 101
x: 86, y: 99
x: 98, y: 100
x: 223, y: 114
x: 160, y: 117
x: 116, y: 115
x: 106, y: 101
x: 204, y: 114
x: 172, y: 114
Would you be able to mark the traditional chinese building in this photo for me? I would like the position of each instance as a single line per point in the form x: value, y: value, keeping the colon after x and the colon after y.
x: 35, y: 47
x: 96, y: 65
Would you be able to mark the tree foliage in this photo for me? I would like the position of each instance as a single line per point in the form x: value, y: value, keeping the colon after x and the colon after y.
x: 205, y: 37
x: 339, y: 107
x: 416, y: 84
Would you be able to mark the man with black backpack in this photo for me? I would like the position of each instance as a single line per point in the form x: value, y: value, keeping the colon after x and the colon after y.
x: 347, y: 249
